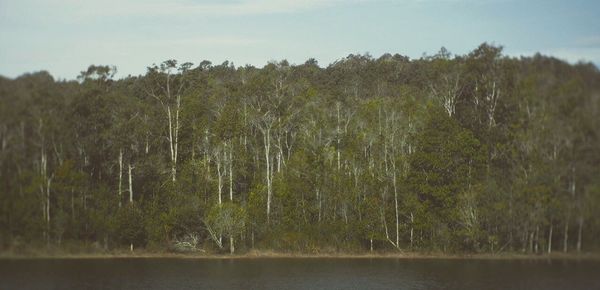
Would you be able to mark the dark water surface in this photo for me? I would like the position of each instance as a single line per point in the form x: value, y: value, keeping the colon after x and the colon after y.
x: 297, y: 273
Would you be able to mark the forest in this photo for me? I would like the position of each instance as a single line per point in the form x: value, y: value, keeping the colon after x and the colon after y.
x: 474, y: 153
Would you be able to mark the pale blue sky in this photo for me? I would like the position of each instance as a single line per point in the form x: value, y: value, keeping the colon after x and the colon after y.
x: 65, y: 36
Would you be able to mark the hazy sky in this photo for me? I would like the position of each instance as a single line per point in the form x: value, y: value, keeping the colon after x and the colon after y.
x: 65, y: 36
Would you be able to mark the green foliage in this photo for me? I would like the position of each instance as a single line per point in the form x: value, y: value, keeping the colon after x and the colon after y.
x: 129, y: 224
x: 447, y: 161
x: 478, y: 152
x: 227, y: 219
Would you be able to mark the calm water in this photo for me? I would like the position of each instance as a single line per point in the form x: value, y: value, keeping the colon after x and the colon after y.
x: 309, y: 273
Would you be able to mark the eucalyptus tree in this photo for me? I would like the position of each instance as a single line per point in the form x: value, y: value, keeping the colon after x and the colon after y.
x: 273, y: 109
x: 475, y: 152
x: 166, y: 83
x: 447, y: 80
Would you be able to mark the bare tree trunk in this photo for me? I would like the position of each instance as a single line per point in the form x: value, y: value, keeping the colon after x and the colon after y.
x: 219, y: 177
x: 579, y: 234
x: 566, y: 235
x: 220, y: 174
x: 206, y: 154
x: 573, y: 187
x: 45, y: 194
x: 171, y: 147
x: 120, y: 175
x: 531, y: 241
x: 279, y: 154
x: 338, y: 132
x: 176, y: 145
x: 267, y: 139
x: 396, y: 208
x: 550, y: 239
x: 319, y: 201
x: 245, y: 125
x: 412, y: 221
x: 48, y: 182
x: 44, y: 201
x: 173, y: 134
x: 537, y: 236
x: 130, y: 184
x: 231, y: 173
x: 72, y: 204
x: 129, y: 167
x: 147, y: 148
x: 383, y: 219
x: 231, y: 246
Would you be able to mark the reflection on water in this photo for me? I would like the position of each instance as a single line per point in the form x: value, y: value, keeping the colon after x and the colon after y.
x: 298, y: 273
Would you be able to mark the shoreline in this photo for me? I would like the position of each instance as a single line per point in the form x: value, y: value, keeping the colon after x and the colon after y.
x: 283, y: 255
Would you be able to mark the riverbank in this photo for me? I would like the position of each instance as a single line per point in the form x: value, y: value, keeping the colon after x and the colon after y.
x: 273, y: 254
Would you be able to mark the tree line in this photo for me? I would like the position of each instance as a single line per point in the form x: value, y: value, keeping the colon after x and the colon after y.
x: 473, y: 153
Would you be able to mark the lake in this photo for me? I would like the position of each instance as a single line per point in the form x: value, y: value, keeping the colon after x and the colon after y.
x: 297, y: 273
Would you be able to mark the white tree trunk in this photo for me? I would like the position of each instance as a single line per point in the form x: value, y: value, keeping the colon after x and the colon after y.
x: 492, y: 100
x: 130, y: 184
x: 219, y: 178
x: 231, y: 173
x: 174, y: 134
x: 338, y: 132
x: 171, y: 143
x: 412, y: 220
x: 579, y: 234
x: 550, y: 239
x: 396, y: 208
x: 278, y: 162
x: 220, y: 173
x: 43, y: 194
x: 48, y: 182
x: 319, y: 201
x: 267, y: 141
x: 531, y: 241
x: 120, y: 192
x: 176, y: 145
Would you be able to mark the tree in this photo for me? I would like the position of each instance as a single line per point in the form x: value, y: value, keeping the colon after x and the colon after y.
x: 166, y: 83
x: 447, y: 162
x: 129, y: 224
x: 479, y: 152
x: 227, y: 219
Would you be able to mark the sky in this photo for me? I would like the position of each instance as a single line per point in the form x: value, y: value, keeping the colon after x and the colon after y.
x: 64, y: 37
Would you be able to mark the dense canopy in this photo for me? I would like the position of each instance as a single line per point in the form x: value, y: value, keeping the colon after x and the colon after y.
x: 477, y: 153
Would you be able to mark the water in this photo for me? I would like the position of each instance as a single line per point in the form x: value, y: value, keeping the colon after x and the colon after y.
x: 297, y: 273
